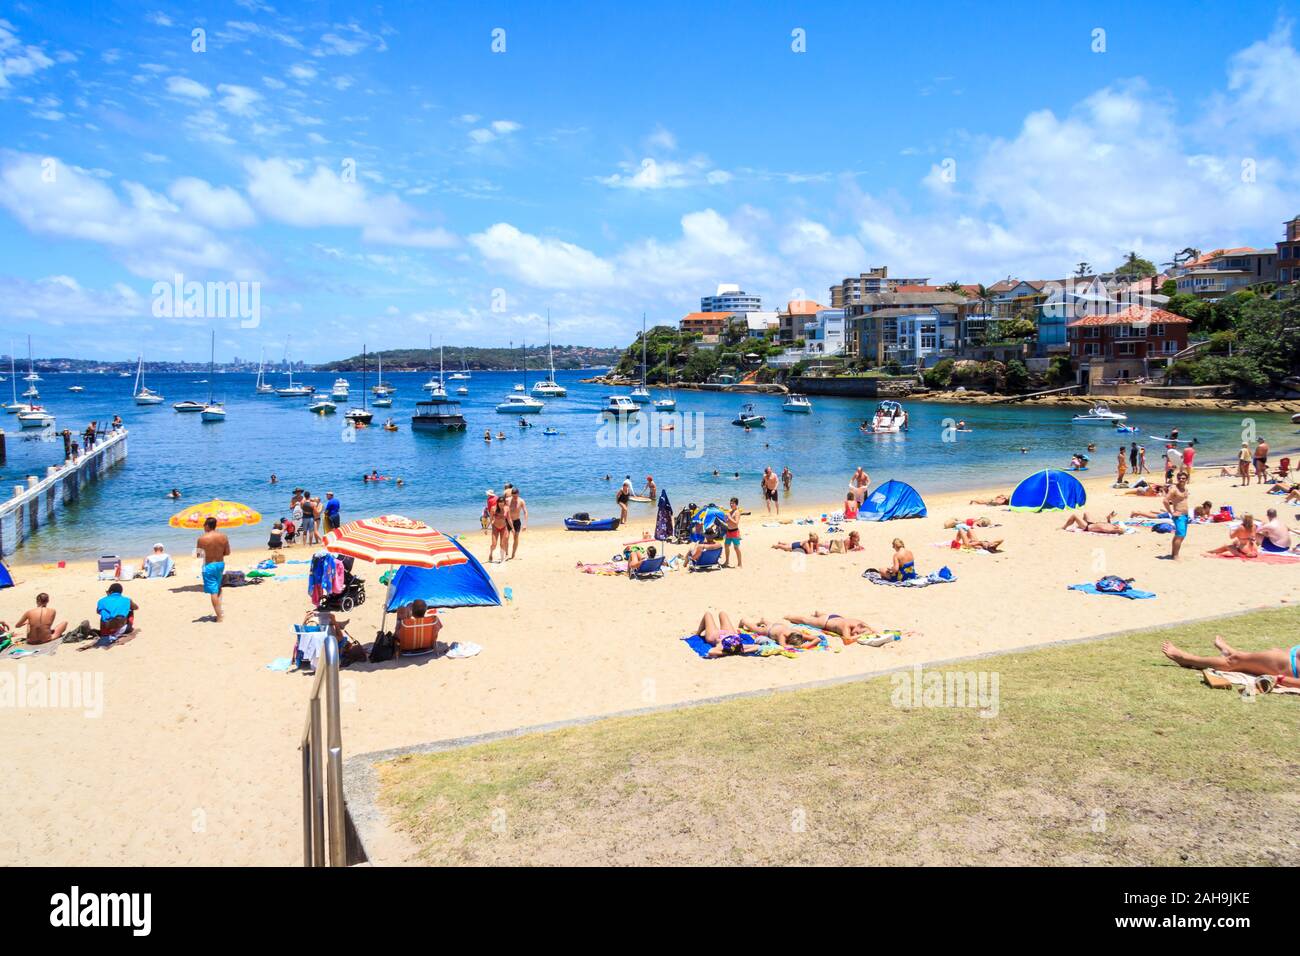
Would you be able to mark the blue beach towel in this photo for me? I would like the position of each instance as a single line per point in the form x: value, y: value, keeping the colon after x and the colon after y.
x: 702, y: 647
x: 1131, y: 593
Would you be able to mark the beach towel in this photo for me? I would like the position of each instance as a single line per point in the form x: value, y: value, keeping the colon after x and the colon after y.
x: 609, y: 568
x: 942, y: 576
x: 1245, y: 683
x: 702, y: 647
x: 1265, y: 558
x: 1128, y: 529
x: 463, y: 649
x: 1132, y: 593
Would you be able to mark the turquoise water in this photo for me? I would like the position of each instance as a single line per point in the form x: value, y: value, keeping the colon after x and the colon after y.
x: 446, y: 475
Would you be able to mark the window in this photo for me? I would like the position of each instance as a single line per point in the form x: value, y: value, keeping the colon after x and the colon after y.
x: 1157, y: 331
x: 1091, y: 348
x: 1124, y: 348
x: 1092, y: 332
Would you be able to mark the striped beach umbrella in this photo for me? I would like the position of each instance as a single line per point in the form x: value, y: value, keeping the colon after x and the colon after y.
x: 229, y: 514
x: 393, y: 539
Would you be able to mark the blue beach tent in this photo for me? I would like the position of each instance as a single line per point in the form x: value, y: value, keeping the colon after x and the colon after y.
x: 1048, y: 490
x: 461, y: 585
x: 893, y: 499
x: 6, y: 579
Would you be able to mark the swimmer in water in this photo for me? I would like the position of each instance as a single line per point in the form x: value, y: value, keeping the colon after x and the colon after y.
x: 487, y: 435
x: 174, y: 493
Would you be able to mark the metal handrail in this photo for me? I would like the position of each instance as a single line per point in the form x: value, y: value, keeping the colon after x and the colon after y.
x: 324, y: 812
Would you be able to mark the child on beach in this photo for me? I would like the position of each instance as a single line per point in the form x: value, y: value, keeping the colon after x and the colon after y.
x: 732, y: 538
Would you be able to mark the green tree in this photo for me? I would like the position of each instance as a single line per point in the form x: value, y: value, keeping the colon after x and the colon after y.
x: 1135, y: 267
x: 1169, y: 287
x: 1017, y: 377
x: 940, y: 374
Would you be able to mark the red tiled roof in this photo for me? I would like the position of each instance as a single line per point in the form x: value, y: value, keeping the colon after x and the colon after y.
x: 1133, y: 315
x: 707, y: 316
x: 802, y: 307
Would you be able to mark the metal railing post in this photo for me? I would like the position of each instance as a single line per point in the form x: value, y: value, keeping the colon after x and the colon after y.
x: 324, y: 810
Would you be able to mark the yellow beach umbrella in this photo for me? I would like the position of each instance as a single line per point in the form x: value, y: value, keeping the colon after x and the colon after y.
x: 229, y: 514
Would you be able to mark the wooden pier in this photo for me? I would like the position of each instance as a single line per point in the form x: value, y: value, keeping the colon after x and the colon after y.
x: 39, y: 500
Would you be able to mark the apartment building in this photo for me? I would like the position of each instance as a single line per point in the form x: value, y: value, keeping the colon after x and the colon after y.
x: 1287, y: 263
x: 1127, y: 344
x: 797, y: 314
x: 1225, y: 271
x: 871, y: 282
x: 731, y: 298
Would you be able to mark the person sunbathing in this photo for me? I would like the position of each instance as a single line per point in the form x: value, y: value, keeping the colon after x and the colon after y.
x: 709, y: 544
x: 635, y: 559
x: 1085, y: 523
x: 1148, y: 491
x: 840, y: 546
x: 1279, y: 662
x: 723, y: 636
x: 1241, y: 540
x: 902, y: 566
x: 786, y: 635
x: 966, y: 539
x: 968, y: 523
x: 996, y: 501
x: 849, y: 629
x: 807, y: 547
x: 1149, y: 514
x: 40, y: 622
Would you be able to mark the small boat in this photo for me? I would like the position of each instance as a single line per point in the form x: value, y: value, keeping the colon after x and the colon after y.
x: 589, y: 524
x: 76, y: 388
x: 294, y: 391
x: 213, y: 411
x: 889, y: 419
x: 438, y: 417
x: 462, y: 390
x: 1126, y: 429
x: 518, y: 387
x: 520, y: 404
x: 35, y: 417
x: 1099, y: 414
x: 16, y: 406
x: 797, y: 403
x: 360, y: 417
x: 664, y: 404
x: 31, y: 392
x: 381, y: 390
x: 383, y: 401
x: 390, y: 426
x: 188, y: 406
x: 550, y: 430
x: 749, y: 418
x: 143, y: 395
x: 549, y: 388
x: 340, y: 390
x: 322, y: 406
x: 641, y: 394
x: 262, y: 388
x: 620, y: 406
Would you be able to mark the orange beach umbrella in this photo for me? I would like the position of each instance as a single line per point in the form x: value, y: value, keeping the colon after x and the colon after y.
x: 229, y: 514
x: 393, y: 539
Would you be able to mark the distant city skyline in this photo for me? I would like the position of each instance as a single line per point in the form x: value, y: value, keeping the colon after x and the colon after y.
x: 381, y: 177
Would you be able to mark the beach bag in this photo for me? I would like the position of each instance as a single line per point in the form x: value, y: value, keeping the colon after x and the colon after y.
x: 384, y: 648
x: 233, y: 579
x: 581, y: 516
x: 1114, y: 584
x: 1163, y: 527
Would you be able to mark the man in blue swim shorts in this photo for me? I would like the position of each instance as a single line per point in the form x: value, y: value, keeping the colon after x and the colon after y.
x: 1176, y: 505
x: 214, y: 546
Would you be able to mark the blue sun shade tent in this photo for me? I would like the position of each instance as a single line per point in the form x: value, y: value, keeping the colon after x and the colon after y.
x: 6, y: 579
x: 893, y: 499
x: 1048, y: 490
x: 462, y: 585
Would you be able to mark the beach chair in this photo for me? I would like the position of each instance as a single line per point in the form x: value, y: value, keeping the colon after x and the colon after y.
x: 109, y: 566
x: 709, y: 561
x: 1284, y: 467
x: 650, y: 568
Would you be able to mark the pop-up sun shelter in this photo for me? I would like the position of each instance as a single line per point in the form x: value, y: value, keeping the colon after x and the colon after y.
x: 1048, y: 490
x: 893, y: 499
x: 461, y: 585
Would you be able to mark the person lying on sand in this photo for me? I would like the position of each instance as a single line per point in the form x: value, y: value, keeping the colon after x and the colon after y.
x: 1277, y: 662
x: 1148, y: 491
x: 1084, y: 523
x: 966, y: 539
x: 1241, y: 540
x: 841, y: 546
x: 849, y: 629
x: 787, y: 635
x: 996, y: 501
x: 807, y: 547
x: 968, y: 523
x: 40, y: 622
x: 1148, y: 514
x: 723, y: 635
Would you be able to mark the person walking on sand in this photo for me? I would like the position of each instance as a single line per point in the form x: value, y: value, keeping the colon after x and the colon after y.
x: 1176, y: 505
x: 786, y: 478
x: 1261, y: 462
x: 732, y: 538
x: 214, y: 547
x: 769, y: 490
x: 518, y: 511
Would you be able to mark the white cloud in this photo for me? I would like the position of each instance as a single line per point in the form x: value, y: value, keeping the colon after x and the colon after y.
x: 60, y: 300
x: 221, y: 207
x: 302, y: 72
x: 1263, y: 93
x: 190, y: 89
x: 18, y: 58
x: 349, y: 39
x: 653, y: 173
x: 288, y: 192
x: 240, y: 100
x: 494, y: 130
x: 542, y: 262
x: 159, y: 19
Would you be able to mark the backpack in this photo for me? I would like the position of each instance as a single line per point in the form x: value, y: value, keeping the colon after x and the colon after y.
x: 581, y: 516
x: 1114, y: 584
x: 384, y: 648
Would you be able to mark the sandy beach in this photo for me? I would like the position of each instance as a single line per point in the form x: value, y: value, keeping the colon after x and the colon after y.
x: 194, y: 757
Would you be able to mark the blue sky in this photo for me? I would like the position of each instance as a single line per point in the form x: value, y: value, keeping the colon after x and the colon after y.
x: 384, y: 175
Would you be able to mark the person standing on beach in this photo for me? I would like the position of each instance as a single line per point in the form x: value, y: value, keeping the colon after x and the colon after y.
x: 1176, y: 505
x: 1243, y: 464
x: 1261, y: 462
x: 769, y: 490
x: 732, y: 538
x: 1142, y: 468
x: 1189, y: 457
x: 332, y: 511
x: 214, y: 547
x: 621, y: 498
x: 1121, y: 466
x: 1132, y: 457
x: 786, y: 479
x: 518, y: 519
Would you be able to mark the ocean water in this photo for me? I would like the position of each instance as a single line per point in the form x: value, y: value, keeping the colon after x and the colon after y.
x: 446, y: 474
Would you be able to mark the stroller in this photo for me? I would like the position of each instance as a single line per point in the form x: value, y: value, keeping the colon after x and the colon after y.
x: 682, y: 524
x: 353, y: 593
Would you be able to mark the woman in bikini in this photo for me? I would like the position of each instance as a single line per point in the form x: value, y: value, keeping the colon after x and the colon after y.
x: 840, y: 546
x: 807, y: 547
x: 1241, y: 541
x: 723, y: 635
x: 500, y: 529
x: 849, y: 629
x: 966, y: 539
x: 1280, y: 662
x: 1084, y: 523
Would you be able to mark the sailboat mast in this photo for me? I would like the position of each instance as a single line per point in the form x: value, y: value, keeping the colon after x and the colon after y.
x: 212, y: 363
x: 643, y: 350
x: 550, y: 352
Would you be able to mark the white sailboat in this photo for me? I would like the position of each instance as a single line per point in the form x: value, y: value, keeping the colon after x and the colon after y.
x: 381, y: 390
x: 434, y: 386
x: 15, y: 407
x: 291, y: 390
x: 461, y: 376
x: 549, y: 388
x: 262, y: 388
x: 668, y: 404
x: 519, y: 402
x: 143, y: 395
x: 641, y: 394
x: 31, y: 376
x: 213, y: 411
x: 360, y: 417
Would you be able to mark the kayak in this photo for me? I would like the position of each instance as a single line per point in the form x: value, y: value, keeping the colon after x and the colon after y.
x: 1177, y: 441
x: 598, y: 524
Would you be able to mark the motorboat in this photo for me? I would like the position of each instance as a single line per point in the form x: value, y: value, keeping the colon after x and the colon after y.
x: 1099, y: 414
x: 340, y: 390
x: 438, y: 417
x: 620, y: 406
x: 189, y: 406
x: 520, y: 404
x: 664, y: 404
x: 749, y: 418
x: 383, y: 401
x: 360, y: 417
x: 889, y: 418
x: 322, y: 406
x: 518, y: 387
x: 76, y: 388
x: 549, y: 388
x: 797, y: 403
x: 35, y: 417
x: 463, y: 390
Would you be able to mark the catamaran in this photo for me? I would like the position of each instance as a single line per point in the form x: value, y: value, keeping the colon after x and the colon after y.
x: 360, y: 416
x: 549, y: 388
x: 143, y: 396
x: 640, y: 394
x: 519, y: 402
x: 213, y: 411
